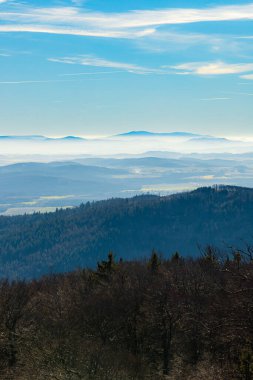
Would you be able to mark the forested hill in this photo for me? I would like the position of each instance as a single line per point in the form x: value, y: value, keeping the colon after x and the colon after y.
x: 33, y: 245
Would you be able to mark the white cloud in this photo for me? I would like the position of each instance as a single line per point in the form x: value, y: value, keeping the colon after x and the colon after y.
x: 76, y: 32
x: 99, y: 62
x: 238, y: 93
x: 79, y: 21
x: 88, y: 73
x: 247, y: 76
x: 180, y: 16
x: 64, y: 20
x: 189, y: 68
x: 212, y: 68
x: 170, y: 40
x: 245, y: 38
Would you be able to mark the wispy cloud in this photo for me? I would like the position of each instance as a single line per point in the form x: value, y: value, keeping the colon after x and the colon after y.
x: 238, y: 93
x: 99, y: 62
x: 66, y: 20
x: 180, y: 16
x: 245, y: 37
x: 25, y: 28
x: 211, y: 68
x: 46, y: 81
x: 79, y: 21
x: 189, y: 68
x: 33, y: 81
x: 247, y: 76
x: 164, y: 40
x: 90, y: 73
x: 214, y: 99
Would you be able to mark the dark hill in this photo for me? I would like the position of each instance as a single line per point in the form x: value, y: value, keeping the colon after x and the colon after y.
x: 32, y: 245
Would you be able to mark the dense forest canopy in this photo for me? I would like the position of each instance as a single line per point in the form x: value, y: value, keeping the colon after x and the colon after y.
x: 33, y: 245
x: 177, y: 319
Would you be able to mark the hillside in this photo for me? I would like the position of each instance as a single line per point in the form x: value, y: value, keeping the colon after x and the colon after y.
x: 33, y: 245
x: 177, y: 319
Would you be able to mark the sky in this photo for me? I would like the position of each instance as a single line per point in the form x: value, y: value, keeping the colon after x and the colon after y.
x: 101, y: 67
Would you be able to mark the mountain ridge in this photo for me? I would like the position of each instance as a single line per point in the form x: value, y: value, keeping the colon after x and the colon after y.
x: 134, y: 133
x: 40, y: 138
x: 161, y: 134
x: 34, y: 245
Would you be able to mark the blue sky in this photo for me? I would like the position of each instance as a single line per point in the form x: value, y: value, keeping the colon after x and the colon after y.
x: 100, y: 67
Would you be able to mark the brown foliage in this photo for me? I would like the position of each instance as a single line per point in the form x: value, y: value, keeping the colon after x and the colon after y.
x: 177, y: 319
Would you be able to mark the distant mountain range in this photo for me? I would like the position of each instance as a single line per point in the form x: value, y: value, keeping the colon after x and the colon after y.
x: 62, y: 241
x: 191, y: 137
x: 71, y: 138
x: 30, y: 186
x: 161, y: 134
x: 23, y: 137
x: 40, y: 138
x: 127, y: 134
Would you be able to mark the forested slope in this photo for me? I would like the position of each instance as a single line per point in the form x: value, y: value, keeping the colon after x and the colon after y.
x: 32, y: 245
x: 177, y: 319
